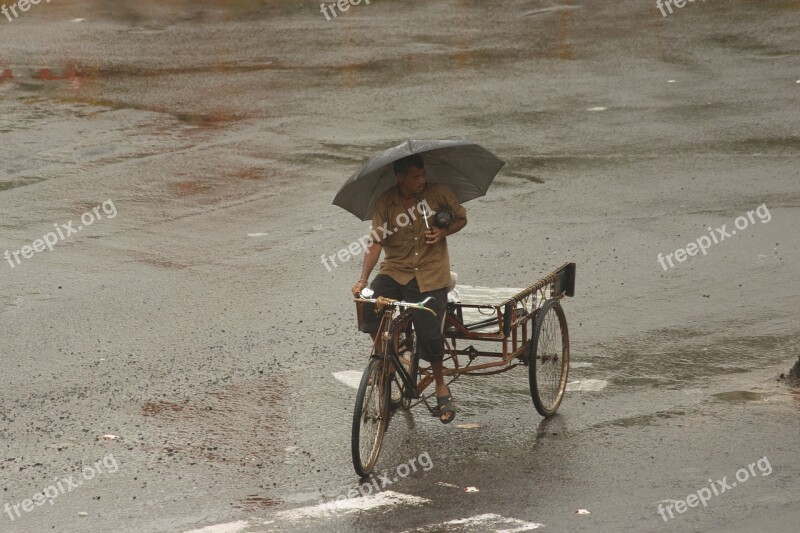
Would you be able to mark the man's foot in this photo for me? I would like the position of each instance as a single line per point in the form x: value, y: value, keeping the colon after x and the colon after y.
x: 445, y: 408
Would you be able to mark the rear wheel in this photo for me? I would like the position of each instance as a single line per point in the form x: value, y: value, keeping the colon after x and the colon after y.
x: 370, y: 417
x: 548, y: 362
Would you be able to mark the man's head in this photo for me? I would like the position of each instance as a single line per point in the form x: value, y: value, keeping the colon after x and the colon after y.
x: 410, y: 174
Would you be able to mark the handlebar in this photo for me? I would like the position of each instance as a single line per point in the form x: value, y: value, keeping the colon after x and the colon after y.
x: 382, y: 301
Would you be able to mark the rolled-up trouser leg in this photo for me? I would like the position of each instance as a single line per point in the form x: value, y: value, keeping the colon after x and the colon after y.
x: 430, y: 341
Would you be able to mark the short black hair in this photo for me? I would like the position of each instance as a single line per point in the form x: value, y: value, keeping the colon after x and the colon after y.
x: 401, y: 166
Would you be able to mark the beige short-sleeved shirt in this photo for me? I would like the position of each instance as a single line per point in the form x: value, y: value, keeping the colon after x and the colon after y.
x: 402, y: 235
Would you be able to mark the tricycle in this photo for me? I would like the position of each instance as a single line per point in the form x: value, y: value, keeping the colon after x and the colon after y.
x: 530, y: 326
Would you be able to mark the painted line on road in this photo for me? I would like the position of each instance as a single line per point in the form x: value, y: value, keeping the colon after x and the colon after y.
x: 587, y: 385
x: 483, y: 522
x: 352, y: 505
x: 232, y: 527
x: 351, y: 378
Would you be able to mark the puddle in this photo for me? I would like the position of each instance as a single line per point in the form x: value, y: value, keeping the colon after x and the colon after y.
x: 684, y: 357
x: 740, y: 396
x: 164, y: 263
x: 206, y: 121
x: 752, y: 145
x: 641, y: 420
x: 528, y: 177
x: 750, y: 45
x: 22, y: 182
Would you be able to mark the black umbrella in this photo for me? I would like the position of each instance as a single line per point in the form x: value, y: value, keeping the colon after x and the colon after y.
x: 467, y: 168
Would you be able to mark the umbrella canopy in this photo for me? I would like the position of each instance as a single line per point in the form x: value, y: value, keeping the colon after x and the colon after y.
x: 467, y: 168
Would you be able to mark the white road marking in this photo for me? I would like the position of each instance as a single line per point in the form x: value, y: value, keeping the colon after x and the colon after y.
x: 352, y: 505
x: 599, y: 108
x: 233, y: 527
x: 351, y: 378
x: 257, y: 234
x: 587, y: 385
x: 484, y: 522
x: 549, y: 10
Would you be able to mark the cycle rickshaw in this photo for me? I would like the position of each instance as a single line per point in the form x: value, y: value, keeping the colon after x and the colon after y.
x: 530, y: 326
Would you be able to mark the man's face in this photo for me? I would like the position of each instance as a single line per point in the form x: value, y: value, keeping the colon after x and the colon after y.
x: 413, y: 182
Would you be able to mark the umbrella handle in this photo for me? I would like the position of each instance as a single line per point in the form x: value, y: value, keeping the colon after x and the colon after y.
x: 425, y: 216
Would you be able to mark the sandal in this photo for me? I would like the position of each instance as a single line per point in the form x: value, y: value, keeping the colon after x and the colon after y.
x: 445, y: 405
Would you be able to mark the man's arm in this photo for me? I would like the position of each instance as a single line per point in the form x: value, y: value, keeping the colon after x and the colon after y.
x: 370, y: 260
x: 457, y: 225
x: 434, y: 235
x: 373, y: 251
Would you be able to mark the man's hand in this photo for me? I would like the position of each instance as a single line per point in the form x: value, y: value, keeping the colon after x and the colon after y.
x: 357, y: 288
x: 434, y: 235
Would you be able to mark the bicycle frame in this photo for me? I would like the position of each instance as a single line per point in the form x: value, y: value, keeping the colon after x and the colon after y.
x: 389, y: 353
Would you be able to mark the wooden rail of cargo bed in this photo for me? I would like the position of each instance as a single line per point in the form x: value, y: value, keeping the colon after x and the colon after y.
x: 514, y: 321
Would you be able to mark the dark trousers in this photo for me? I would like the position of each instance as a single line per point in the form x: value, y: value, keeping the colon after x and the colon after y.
x: 430, y: 341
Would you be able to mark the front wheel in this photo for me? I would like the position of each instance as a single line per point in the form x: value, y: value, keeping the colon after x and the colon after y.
x: 548, y: 362
x: 370, y: 417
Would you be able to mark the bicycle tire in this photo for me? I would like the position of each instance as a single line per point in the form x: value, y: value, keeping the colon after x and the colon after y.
x: 370, y: 417
x: 548, y: 360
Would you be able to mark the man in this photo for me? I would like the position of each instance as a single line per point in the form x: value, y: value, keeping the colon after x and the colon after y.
x: 416, y: 263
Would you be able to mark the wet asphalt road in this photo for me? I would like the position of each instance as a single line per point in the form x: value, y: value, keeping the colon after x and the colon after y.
x: 198, y: 326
